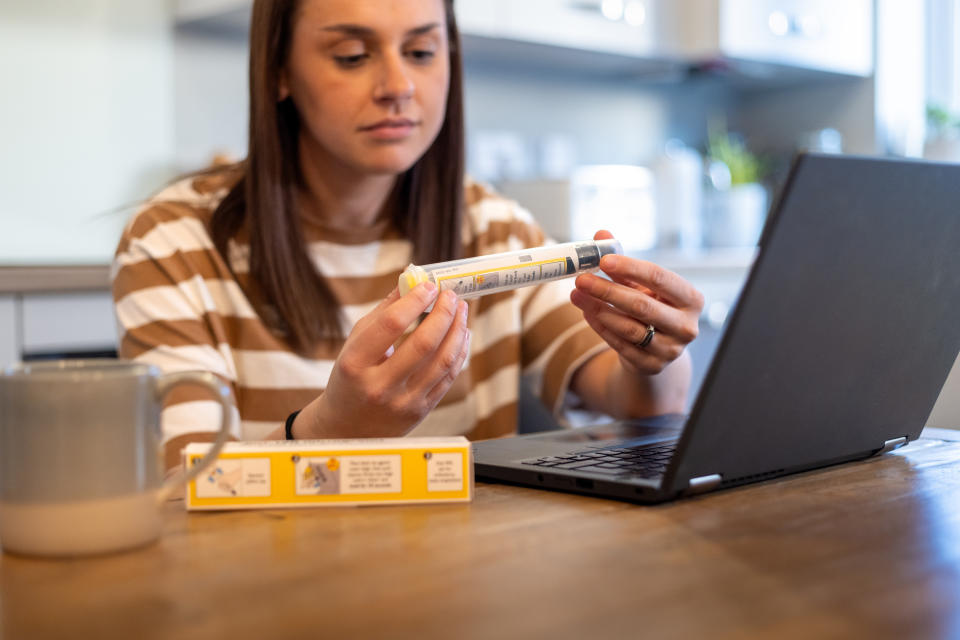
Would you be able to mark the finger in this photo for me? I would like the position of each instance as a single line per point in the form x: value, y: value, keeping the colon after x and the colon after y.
x: 603, y: 234
x: 639, y: 359
x: 593, y: 294
x: 665, y: 283
x: 632, y: 332
x: 388, y: 322
x: 392, y: 297
x: 440, y: 364
x: 634, y: 285
x: 421, y: 345
x: 388, y: 354
x: 440, y: 389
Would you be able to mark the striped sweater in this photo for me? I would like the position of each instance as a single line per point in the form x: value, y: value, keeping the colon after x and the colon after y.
x: 179, y: 307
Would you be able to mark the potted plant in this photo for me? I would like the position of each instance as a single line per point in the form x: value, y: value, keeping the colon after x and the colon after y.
x: 943, y: 134
x: 737, y: 203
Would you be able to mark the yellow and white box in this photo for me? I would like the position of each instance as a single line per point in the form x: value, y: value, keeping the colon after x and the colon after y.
x: 307, y: 473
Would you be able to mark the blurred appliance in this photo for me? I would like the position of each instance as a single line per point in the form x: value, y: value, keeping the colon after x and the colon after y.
x: 619, y: 198
x: 679, y: 174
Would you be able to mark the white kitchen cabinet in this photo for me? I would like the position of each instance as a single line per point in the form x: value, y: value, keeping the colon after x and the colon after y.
x: 582, y: 25
x: 816, y: 34
x: 820, y: 35
x: 67, y: 322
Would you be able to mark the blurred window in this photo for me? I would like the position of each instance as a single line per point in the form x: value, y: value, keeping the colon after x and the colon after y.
x: 943, y: 54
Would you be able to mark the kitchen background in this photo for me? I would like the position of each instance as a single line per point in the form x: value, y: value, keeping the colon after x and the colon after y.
x: 671, y: 122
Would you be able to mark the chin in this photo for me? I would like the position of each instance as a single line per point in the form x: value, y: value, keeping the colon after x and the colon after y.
x: 393, y: 164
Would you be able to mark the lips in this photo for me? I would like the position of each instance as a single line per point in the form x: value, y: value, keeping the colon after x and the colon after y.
x: 390, y: 130
x: 390, y: 123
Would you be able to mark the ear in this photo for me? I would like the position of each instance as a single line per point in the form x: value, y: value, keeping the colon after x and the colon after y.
x: 283, y: 86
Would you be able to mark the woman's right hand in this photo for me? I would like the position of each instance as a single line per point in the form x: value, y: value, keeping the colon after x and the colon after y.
x: 376, y: 390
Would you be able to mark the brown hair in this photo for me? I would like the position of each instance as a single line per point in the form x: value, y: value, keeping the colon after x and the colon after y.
x: 427, y: 198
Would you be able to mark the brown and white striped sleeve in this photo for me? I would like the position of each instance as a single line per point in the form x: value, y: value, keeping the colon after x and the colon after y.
x: 173, y: 298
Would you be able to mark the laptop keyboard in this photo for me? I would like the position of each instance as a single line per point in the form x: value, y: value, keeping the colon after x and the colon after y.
x: 649, y: 461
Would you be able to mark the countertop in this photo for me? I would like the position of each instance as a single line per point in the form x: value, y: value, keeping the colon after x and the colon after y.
x: 867, y: 549
x: 53, y: 278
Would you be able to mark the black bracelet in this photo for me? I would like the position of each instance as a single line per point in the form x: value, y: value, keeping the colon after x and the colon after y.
x: 288, y: 428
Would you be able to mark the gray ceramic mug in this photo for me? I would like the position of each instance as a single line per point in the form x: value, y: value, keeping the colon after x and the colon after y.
x: 81, y: 467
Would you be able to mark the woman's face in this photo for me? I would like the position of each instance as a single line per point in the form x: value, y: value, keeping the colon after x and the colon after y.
x: 369, y: 79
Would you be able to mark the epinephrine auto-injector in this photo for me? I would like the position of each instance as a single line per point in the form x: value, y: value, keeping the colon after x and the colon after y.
x: 473, y: 277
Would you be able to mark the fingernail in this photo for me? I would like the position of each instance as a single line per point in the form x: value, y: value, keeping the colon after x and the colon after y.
x: 429, y: 286
x: 609, y: 262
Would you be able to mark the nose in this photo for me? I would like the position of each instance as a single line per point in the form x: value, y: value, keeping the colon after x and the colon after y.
x: 395, y: 84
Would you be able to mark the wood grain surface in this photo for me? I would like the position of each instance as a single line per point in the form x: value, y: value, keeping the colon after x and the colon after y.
x: 869, y: 549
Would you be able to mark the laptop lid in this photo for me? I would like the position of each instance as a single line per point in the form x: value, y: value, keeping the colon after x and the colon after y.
x: 846, y: 328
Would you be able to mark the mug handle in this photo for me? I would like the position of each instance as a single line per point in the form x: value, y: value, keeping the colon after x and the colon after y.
x: 221, y: 392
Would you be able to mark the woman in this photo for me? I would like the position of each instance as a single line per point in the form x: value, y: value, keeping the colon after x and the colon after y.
x: 276, y: 274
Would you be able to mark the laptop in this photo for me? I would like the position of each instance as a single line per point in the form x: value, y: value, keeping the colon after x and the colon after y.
x: 837, y: 349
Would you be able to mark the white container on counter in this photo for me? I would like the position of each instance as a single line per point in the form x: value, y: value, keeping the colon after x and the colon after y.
x: 679, y: 197
x: 619, y: 198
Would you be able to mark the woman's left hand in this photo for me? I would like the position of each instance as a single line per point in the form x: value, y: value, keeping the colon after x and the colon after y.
x: 642, y: 298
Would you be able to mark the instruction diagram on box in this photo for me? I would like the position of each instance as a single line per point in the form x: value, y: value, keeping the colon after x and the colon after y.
x: 318, y: 476
x: 235, y: 478
x: 348, y: 475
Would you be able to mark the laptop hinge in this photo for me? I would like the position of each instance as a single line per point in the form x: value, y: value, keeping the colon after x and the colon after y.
x: 890, y: 445
x: 703, y: 484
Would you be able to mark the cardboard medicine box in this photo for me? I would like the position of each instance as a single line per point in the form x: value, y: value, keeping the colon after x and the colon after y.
x: 307, y: 473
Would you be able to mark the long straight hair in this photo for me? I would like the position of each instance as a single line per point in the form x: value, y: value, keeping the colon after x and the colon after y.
x: 427, y: 199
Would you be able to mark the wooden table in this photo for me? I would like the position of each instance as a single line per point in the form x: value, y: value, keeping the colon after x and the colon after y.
x: 870, y: 549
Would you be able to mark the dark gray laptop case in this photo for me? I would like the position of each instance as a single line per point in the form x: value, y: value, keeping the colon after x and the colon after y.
x: 844, y: 333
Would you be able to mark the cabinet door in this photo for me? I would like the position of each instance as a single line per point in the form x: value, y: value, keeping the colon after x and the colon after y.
x: 578, y: 24
x: 817, y: 34
x: 68, y: 322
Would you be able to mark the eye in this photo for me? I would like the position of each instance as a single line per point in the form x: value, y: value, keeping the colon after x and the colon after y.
x: 422, y: 55
x: 349, y: 62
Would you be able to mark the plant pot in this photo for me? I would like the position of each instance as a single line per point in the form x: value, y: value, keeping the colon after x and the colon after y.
x: 735, y: 217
